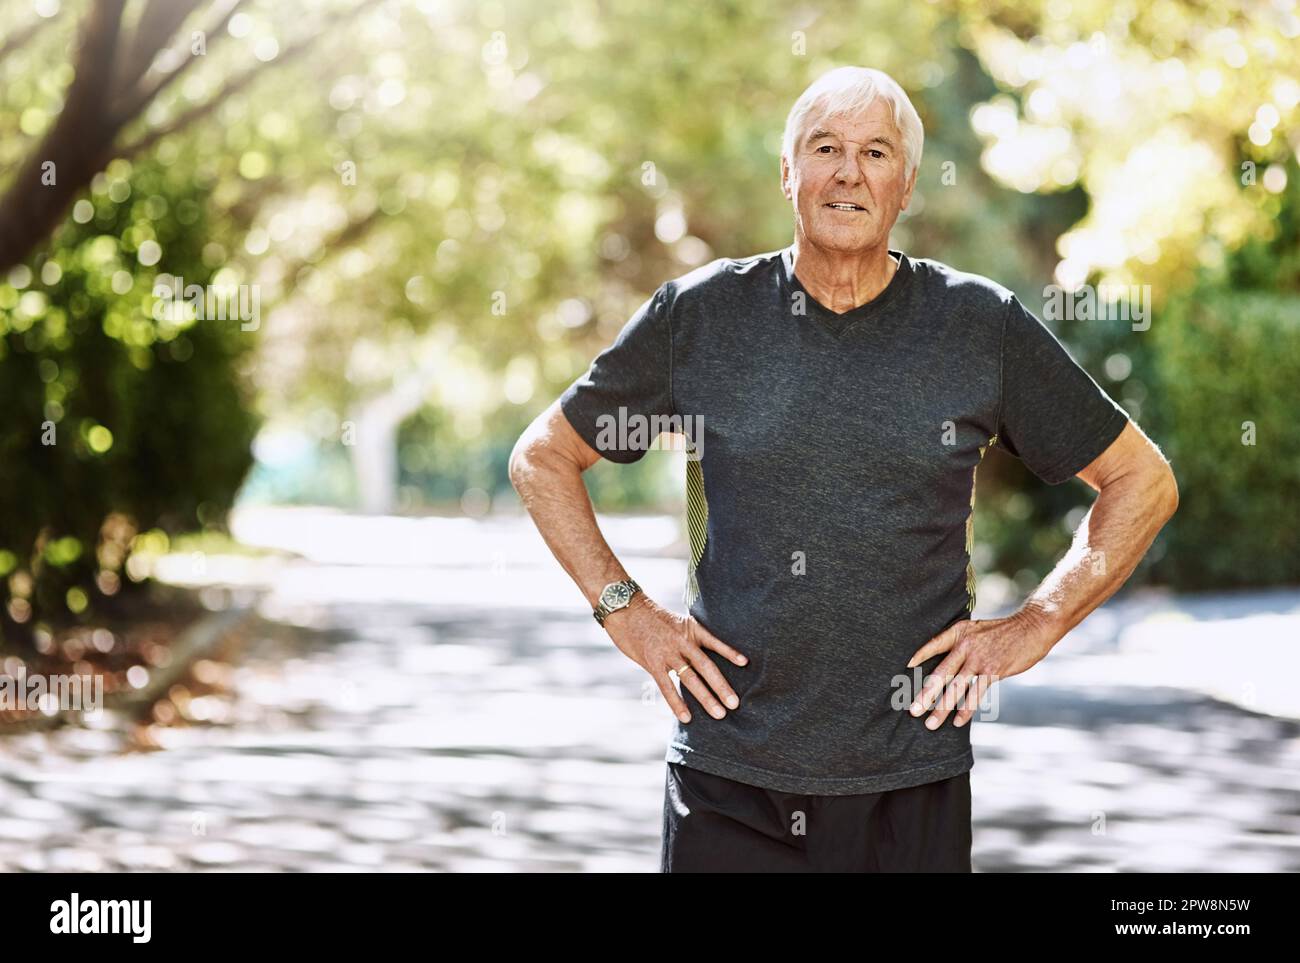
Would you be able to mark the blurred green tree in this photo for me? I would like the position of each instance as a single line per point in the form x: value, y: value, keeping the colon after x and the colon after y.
x: 121, y: 418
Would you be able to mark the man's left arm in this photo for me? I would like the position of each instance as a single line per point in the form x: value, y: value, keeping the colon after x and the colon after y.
x: 1136, y: 495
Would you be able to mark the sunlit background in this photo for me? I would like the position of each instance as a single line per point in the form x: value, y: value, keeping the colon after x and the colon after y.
x: 276, y: 519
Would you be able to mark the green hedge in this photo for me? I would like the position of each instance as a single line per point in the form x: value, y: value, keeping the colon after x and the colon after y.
x: 151, y: 425
x: 1224, y: 358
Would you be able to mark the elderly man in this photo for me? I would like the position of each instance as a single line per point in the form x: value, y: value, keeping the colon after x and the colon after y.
x: 845, y: 393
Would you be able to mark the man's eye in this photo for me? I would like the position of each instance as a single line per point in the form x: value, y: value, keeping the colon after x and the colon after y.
x: 825, y: 147
x: 878, y: 153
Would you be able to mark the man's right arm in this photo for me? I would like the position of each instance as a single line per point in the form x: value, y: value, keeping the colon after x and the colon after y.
x: 546, y: 469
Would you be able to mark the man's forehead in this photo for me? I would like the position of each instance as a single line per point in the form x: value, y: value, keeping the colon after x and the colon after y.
x: 873, y: 121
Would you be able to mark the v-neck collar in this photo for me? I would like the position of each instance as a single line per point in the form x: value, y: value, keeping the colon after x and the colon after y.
x: 838, y: 323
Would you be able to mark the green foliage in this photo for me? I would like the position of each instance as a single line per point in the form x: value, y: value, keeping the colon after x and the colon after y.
x: 1229, y: 366
x: 1218, y: 358
x: 524, y: 176
x: 112, y: 413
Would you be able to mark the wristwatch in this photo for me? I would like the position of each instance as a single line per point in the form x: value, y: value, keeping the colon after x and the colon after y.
x: 615, y: 596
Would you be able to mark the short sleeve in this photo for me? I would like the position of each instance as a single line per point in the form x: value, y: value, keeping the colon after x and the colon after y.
x: 1053, y: 416
x: 624, y: 399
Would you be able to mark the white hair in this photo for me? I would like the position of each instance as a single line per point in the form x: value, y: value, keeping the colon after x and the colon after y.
x: 850, y: 90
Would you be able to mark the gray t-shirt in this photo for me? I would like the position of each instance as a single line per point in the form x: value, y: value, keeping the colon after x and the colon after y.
x: 831, y: 493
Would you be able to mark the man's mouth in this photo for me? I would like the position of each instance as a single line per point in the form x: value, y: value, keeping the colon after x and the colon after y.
x: 845, y: 206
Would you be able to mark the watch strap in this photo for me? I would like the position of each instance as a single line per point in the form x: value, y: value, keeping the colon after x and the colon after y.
x: 602, y: 610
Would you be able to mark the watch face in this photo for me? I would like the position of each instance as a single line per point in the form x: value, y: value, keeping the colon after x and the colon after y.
x: 616, y: 596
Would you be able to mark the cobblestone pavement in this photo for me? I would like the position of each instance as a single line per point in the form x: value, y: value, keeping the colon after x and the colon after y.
x: 431, y: 695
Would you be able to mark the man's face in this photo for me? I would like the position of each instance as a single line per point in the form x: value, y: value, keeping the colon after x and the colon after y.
x: 856, y: 159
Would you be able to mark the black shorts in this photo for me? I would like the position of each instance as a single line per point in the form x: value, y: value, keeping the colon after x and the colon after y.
x: 717, y: 825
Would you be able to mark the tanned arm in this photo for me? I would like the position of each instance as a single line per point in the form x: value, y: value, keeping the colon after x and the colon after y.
x: 1136, y: 495
x: 546, y: 468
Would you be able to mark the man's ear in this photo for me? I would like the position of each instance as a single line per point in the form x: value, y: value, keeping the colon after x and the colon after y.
x: 911, y: 185
x: 785, y: 176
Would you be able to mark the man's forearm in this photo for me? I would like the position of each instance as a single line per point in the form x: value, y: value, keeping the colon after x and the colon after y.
x: 1110, y: 541
x: 552, y: 490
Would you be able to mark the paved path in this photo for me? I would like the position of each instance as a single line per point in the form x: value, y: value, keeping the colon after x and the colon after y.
x: 430, y: 695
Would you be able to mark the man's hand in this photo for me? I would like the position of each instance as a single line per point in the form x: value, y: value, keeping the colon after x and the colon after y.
x: 659, y: 641
x: 1137, y: 494
x: 980, y: 652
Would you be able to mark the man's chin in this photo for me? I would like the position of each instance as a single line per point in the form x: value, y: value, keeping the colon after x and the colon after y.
x: 841, y: 239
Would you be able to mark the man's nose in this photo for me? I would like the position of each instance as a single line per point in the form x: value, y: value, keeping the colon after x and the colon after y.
x: 850, y: 169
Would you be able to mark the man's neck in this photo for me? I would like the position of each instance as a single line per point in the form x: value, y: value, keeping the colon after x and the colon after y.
x: 841, y: 282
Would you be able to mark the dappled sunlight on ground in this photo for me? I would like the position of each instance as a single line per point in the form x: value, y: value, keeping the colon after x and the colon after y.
x: 434, y: 694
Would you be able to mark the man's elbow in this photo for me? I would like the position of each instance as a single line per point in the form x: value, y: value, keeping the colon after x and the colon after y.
x: 1169, y: 492
x: 534, y: 458
x: 518, y: 467
x: 1155, y: 485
